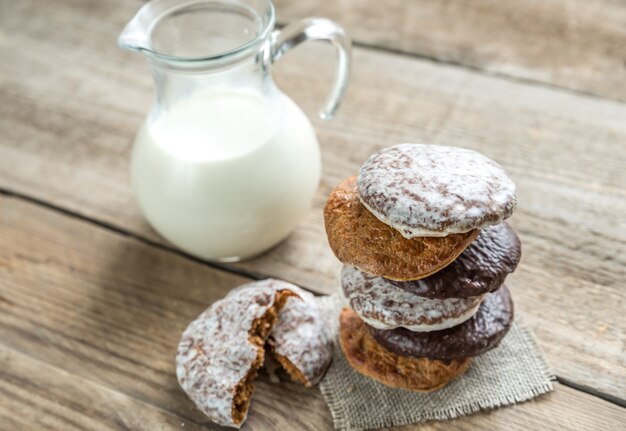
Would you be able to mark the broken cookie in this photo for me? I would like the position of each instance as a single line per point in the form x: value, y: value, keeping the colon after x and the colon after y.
x: 221, y: 351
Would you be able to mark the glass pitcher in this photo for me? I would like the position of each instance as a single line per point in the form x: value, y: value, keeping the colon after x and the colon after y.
x: 225, y: 164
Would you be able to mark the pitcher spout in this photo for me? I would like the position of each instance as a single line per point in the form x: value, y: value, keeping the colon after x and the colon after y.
x: 136, y: 33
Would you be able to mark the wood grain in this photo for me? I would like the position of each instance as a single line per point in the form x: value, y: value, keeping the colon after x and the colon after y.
x: 66, y: 133
x: 110, y: 310
x: 568, y: 43
x: 89, y: 331
x: 36, y: 395
x: 56, y: 399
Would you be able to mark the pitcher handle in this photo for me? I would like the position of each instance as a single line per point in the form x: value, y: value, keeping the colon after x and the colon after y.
x: 307, y: 29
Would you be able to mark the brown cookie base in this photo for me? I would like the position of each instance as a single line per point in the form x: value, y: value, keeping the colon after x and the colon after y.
x: 369, y: 358
x: 359, y: 239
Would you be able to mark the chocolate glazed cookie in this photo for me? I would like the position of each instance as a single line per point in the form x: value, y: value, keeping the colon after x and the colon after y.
x: 481, y: 268
x: 371, y: 359
x: 477, y: 335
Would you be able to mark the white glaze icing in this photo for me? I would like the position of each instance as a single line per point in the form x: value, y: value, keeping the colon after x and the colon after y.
x: 301, y: 335
x: 384, y: 306
x: 215, y: 353
x: 300, y: 332
x: 430, y: 190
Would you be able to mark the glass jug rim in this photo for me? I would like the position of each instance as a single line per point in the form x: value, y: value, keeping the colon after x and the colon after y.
x: 136, y: 35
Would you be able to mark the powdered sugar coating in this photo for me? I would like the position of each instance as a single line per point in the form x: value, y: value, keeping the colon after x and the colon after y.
x: 430, y: 190
x: 215, y: 352
x: 384, y: 306
x: 301, y: 335
x: 300, y: 332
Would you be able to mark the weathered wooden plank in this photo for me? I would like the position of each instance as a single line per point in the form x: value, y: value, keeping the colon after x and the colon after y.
x: 90, y: 321
x: 568, y: 43
x: 571, y: 415
x: 66, y: 132
x: 35, y: 395
x: 111, y: 310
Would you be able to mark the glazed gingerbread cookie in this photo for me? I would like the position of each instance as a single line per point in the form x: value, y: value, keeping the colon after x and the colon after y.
x: 384, y: 306
x: 359, y: 239
x: 434, y: 191
x: 221, y: 351
x: 480, y: 269
x: 372, y: 360
x: 475, y: 336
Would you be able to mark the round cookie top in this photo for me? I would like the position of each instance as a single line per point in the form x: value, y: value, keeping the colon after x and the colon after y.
x: 219, y: 350
x: 385, y: 306
x: 475, y: 336
x: 359, y: 239
x: 480, y: 269
x: 371, y: 359
x: 431, y: 190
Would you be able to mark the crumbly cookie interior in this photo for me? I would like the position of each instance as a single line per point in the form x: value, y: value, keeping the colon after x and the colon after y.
x: 258, y: 334
x: 293, y: 371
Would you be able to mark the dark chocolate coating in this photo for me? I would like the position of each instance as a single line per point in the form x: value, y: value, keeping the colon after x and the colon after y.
x: 481, y: 268
x: 473, y: 337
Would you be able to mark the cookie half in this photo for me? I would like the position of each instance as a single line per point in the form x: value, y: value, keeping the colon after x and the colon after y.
x: 430, y: 190
x: 371, y: 359
x: 300, y: 340
x: 480, y: 269
x: 384, y: 306
x: 221, y: 351
x: 359, y: 239
x: 481, y: 333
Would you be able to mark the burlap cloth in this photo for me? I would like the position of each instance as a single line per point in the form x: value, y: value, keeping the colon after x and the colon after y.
x: 513, y: 372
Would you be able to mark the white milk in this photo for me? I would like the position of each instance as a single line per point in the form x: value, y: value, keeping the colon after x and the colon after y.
x: 226, y: 174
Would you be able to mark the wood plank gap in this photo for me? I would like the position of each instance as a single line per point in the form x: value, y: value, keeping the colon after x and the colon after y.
x: 108, y: 226
x: 479, y: 70
x: 498, y: 75
x: 248, y: 274
x: 111, y: 227
x: 591, y: 391
x: 476, y: 69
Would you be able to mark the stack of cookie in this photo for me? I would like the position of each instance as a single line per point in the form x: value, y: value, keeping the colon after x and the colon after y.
x: 425, y: 250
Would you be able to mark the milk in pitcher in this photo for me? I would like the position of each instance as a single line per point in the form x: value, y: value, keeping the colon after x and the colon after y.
x: 226, y: 173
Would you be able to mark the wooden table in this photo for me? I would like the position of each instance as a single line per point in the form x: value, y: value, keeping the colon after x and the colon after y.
x: 92, y: 301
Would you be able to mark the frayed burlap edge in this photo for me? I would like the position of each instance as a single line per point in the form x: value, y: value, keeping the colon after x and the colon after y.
x: 334, y: 398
